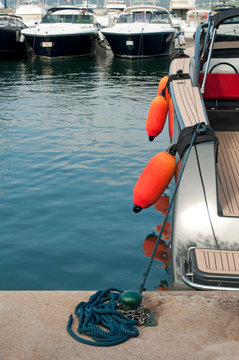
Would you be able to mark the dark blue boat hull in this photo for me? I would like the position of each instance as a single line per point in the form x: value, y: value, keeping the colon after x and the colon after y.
x: 56, y: 46
x: 10, y: 45
x: 140, y: 45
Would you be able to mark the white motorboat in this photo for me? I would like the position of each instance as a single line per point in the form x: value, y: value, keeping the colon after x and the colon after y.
x: 193, y: 19
x: 108, y: 16
x: 63, y: 31
x: 189, y: 15
x: 142, y: 31
x: 31, y: 12
x: 200, y: 168
x: 205, y: 98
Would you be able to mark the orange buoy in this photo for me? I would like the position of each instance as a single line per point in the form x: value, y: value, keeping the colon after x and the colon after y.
x: 156, y: 116
x: 153, y: 181
x: 170, y: 118
x: 163, y: 85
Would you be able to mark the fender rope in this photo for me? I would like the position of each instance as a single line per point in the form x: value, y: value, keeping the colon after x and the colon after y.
x: 100, y: 311
x: 199, y: 128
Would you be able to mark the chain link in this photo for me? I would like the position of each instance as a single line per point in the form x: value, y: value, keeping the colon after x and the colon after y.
x: 138, y: 314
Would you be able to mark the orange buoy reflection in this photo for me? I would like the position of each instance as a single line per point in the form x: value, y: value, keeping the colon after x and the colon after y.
x: 166, y: 231
x: 162, y: 204
x: 162, y: 253
x: 163, y: 286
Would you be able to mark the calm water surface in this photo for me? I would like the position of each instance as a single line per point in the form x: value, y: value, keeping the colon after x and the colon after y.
x: 72, y: 145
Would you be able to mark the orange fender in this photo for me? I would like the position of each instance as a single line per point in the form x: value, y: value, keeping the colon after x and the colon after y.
x: 163, y: 85
x: 156, y: 116
x: 154, y: 180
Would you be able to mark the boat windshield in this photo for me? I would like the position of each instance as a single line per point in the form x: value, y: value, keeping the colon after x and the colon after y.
x: 227, y: 38
x: 226, y: 42
x: 10, y: 20
x: 68, y: 18
x: 146, y: 17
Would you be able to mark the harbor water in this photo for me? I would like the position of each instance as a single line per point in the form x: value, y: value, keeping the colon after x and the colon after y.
x: 72, y: 145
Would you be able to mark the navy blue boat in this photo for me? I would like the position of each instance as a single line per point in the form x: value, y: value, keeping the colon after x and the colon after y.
x: 63, y: 31
x: 11, y: 43
x: 142, y: 31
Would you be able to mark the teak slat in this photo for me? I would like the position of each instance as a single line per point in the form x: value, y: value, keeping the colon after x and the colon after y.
x: 187, y: 97
x: 228, y: 172
x: 218, y: 261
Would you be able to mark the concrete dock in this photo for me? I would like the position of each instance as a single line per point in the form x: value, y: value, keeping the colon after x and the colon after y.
x: 190, y: 326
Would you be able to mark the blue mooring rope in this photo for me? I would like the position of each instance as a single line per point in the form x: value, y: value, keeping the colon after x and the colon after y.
x: 101, y: 310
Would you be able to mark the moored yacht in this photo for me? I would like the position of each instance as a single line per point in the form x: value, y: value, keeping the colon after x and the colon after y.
x: 200, y: 168
x: 205, y: 96
x: 142, y: 31
x: 31, y: 12
x: 63, y: 31
x: 11, y: 42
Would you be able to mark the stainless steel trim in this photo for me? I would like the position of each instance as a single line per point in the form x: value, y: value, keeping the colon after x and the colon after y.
x: 208, y: 61
x: 200, y: 286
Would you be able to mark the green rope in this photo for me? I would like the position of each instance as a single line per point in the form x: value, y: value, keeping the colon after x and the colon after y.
x: 100, y: 311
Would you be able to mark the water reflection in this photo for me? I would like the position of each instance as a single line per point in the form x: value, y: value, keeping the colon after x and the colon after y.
x: 73, y: 139
x: 163, y: 252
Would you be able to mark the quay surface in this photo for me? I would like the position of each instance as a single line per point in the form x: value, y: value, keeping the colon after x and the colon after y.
x: 190, y: 325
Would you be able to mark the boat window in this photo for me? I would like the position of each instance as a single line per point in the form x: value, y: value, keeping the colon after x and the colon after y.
x: 227, y: 39
x: 125, y: 19
x: 159, y: 18
x: 79, y: 19
x: 148, y: 17
x: 141, y: 18
x: 48, y: 19
x: 10, y: 20
x: 83, y: 19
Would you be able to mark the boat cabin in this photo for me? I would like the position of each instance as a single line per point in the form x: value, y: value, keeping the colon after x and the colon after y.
x: 66, y: 15
x: 139, y: 14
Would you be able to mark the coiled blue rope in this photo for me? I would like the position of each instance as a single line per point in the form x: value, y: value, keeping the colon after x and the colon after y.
x: 100, y: 311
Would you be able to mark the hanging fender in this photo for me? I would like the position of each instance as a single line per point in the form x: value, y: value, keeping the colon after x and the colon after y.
x: 163, y: 84
x: 100, y: 36
x: 156, y: 116
x: 154, y: 180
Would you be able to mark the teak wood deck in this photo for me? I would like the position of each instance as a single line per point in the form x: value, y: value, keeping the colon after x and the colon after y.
x: 228, y: 172
x: 192, y: 112
x: 218, y: 261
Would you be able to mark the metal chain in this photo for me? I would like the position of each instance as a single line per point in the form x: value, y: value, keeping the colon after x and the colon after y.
x: 138, y: 314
